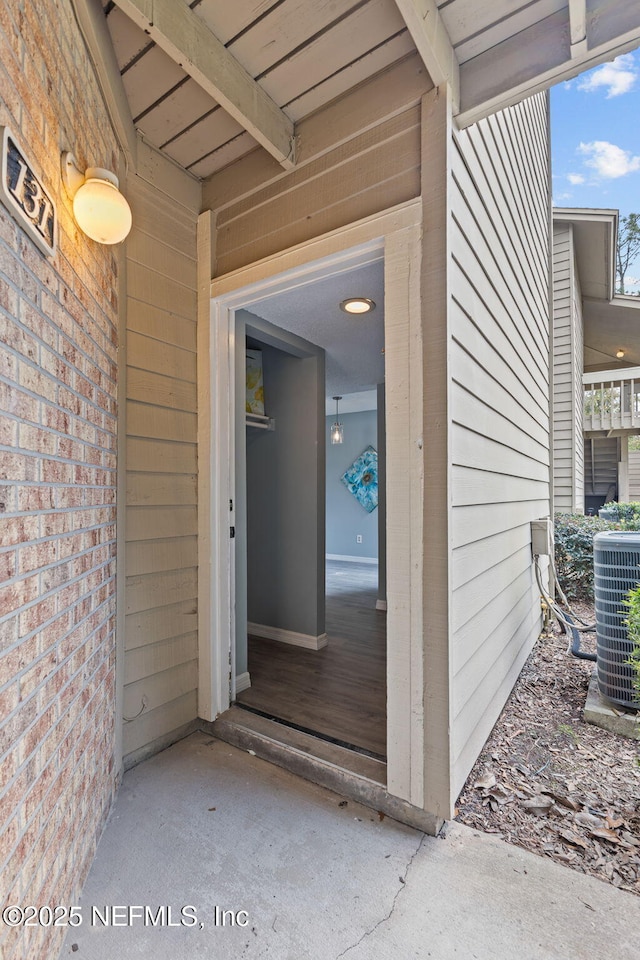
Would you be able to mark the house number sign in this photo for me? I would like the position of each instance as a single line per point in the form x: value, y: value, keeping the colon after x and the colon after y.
x: 22, y: 193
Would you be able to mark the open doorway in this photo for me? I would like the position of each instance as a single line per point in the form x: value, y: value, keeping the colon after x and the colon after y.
x: 310, y: 600
x: 393, y: 236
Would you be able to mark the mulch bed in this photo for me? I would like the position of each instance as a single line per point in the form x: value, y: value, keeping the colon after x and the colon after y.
x: 553, y: 784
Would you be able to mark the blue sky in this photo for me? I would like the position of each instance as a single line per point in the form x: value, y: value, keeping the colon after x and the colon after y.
x: 595, y: 140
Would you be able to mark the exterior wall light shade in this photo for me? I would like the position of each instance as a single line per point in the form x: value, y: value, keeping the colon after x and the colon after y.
x: 357, y: 305
x: 99, y: 208
x: 620, y: 354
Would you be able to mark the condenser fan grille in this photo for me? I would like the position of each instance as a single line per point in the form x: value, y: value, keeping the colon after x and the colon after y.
x: 616, y: 565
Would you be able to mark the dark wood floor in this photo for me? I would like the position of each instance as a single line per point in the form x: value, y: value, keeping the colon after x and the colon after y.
x: 339, y: 691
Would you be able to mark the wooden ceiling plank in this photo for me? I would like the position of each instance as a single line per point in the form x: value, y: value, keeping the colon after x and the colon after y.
x: 225, y: 155
x: 476, y: 43
x: 350, y: 76
x: 287, y: 28
x: 430, y: 36
x: 184, y: 106
x: 367, y: 27
x: 202, y: 138
x: 532, y: 61
x: 188, y: 41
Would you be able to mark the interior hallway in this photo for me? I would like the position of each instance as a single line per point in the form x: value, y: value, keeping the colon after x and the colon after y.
x: 204, y: 824
x: 340, y: 690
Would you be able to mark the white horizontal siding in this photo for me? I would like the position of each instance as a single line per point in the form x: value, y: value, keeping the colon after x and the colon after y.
x: 634, y: 474
x: 499, y: 401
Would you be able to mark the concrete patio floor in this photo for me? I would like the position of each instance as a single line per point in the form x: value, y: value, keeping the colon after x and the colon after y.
x: 205, y: 825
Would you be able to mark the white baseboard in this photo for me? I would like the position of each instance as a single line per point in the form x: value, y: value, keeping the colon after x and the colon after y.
x: 339, y: 556
x: 243, y: 681
x: 288, y: 636
x: 381, y: 605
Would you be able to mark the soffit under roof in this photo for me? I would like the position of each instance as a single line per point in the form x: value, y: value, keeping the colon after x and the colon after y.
x: 595, y: 235
x: 295, y: 56
x: 609, y: 327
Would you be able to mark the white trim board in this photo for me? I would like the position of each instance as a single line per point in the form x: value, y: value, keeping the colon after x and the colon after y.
x: 287, y: 636
x: 396, y: 236
x: 345, y: 559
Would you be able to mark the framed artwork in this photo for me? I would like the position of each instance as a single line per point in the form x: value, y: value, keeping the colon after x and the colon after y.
x: 255, y: 386
x: 361, y: 479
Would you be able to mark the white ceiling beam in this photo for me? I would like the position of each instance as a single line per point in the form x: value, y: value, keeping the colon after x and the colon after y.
x: 433, y: 43
x: 578, y: 27
x: 531, y: 61
x: 187, y: 40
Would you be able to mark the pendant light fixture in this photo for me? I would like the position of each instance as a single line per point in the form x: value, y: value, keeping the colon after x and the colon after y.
x: 337, y: 430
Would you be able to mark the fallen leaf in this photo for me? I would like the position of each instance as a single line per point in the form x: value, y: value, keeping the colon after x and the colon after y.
x: 211, y: 809
x: 574, y: 839
x: 604, y: 833
x: 613, y: 822
x: 486, y: 782
x: 564, y: 801
x: 539, y: 806
x: 588, y: 820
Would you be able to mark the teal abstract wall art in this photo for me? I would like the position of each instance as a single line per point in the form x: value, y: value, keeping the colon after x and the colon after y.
x: 361, y: 479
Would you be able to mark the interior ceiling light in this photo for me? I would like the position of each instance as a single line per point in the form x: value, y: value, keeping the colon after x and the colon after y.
x: 620, y: 354
x: 357, y: 305
x: 337, y: 430
x: 99, y: 208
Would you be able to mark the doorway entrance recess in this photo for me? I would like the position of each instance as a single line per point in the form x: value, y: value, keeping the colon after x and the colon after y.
x: 395, y: 237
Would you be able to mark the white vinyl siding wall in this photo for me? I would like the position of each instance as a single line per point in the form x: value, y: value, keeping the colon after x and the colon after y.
x: 161, y: 520
x: 568, y: 447
x: 499, y: 396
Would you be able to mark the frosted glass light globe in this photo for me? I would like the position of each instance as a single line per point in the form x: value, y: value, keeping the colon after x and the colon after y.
x: 99, y: 208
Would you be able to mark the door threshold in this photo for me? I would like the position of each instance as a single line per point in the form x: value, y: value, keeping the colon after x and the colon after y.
x: 344, y: 771
x: 315, y: 734
x: 268, y: 738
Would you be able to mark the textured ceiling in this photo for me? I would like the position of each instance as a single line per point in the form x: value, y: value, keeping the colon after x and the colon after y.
x: 353, y: 345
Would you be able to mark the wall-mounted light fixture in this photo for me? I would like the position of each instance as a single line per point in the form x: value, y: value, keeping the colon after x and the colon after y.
x: 357, y: 305
x: 337, y: 430
x: 99, y: 208
x: 620, y: 354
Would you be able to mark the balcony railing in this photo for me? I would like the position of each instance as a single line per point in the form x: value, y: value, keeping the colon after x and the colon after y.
x: 612, y: 400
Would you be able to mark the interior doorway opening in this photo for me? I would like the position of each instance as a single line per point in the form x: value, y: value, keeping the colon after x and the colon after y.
x: 310, y: 601
x: 394, y: 236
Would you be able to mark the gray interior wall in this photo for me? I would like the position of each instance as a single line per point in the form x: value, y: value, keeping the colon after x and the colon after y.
x: 285, y: 494
x: 346, y: 518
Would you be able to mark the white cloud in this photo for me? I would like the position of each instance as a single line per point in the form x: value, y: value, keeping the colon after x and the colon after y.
x: 617, y: 77
x: 575, y: 178
x: 608, y: 160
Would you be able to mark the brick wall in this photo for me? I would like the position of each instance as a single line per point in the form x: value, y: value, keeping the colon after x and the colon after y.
x: 58, y: 327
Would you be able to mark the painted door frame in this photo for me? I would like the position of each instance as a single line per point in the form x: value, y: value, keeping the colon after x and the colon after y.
x: 395, y: 236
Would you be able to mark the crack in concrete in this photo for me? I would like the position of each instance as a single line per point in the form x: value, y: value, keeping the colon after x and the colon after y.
x: 403, y: 883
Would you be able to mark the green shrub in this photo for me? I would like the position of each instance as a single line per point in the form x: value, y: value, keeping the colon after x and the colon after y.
x: 574, y: 535
x: 627, y: 513
x: 632, y: 621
